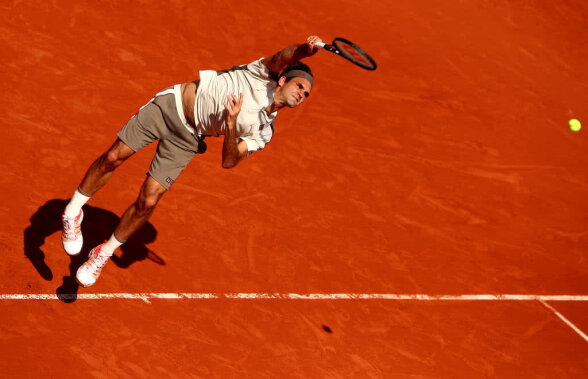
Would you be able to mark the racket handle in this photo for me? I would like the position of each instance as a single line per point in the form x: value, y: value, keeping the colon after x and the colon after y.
x: 319, y: 44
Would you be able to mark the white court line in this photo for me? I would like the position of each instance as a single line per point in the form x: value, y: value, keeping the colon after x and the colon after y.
x: 568, y: 322
x: 296, y: 296
x: 146, y: 297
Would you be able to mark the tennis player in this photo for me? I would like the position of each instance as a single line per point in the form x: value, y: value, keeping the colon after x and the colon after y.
x: 240, y: 104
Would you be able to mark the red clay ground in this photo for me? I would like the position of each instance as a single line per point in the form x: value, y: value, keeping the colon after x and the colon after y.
x: 449, y: 170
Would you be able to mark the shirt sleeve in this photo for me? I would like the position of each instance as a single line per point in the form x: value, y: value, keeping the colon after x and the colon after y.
x: 258, y: 69
x: 258, y: 140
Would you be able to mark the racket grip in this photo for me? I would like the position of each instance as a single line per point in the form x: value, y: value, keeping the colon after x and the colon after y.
x: 319, y: 44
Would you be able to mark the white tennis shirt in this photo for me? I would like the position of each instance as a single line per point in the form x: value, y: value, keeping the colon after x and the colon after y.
x: 254, y: 125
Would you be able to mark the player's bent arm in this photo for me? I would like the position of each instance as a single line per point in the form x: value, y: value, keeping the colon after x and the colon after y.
x: 233, y: 151
x: 292, y: 54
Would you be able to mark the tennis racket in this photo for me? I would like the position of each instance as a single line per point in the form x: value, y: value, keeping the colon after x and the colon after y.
x: 349, y: 51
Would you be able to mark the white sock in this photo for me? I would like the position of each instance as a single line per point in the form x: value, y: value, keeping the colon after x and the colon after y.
x: 111, y: 245
x: 76, y: 203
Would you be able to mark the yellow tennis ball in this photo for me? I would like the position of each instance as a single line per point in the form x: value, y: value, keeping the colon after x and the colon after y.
x: 574, y: 125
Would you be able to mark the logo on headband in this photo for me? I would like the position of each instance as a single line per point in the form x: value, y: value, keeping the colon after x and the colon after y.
x: 299, y: 74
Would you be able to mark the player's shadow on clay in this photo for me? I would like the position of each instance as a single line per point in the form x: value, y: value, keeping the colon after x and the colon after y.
x: 97, y: 227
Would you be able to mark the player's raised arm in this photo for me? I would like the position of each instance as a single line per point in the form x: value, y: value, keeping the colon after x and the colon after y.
x: 285, y: 57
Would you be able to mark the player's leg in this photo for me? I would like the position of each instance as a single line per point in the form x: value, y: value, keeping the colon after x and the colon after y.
x: 175, y: 150
x: 173, y: 154
x: 132, y: 220
x: 139, y: 212
x: 97, y: 175
x: 102, y: 169
x: 142, y: 129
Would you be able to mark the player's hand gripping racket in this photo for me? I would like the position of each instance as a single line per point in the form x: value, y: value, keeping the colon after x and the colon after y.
x: 349, y: 51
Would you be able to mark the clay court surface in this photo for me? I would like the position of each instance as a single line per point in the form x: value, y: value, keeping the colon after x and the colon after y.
x: 448, y: 171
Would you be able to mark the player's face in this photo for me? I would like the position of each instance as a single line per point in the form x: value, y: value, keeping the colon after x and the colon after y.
x: 295, y: 91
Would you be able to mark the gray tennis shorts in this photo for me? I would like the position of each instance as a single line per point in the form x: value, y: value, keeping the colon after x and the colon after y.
x: 159, y: 119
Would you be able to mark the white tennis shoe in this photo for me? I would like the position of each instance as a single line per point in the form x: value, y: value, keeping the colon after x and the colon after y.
x: 89, y: 272
x: 71, y: 234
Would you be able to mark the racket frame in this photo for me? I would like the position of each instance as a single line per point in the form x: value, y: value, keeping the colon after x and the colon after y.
x: 333, y: 49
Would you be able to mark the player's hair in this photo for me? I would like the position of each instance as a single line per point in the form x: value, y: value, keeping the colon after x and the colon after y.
x: 296, y: 66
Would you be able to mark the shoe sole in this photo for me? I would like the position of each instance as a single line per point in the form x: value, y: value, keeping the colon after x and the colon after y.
x: 83, y: 285
x: 74, y: 254
x: 71, y: 254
